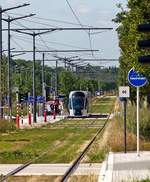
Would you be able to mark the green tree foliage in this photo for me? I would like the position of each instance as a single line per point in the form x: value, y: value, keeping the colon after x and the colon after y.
x: 90, y: 79
x: 138, y: 11
x: 67, y: 82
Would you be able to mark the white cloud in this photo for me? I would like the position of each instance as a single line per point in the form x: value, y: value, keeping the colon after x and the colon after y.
x: 83, y: 9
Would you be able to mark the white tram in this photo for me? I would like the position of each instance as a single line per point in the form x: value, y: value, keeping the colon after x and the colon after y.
x: 78, y: 103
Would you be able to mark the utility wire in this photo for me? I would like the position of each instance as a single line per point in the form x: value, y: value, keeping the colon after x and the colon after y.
x: 76, y: 17
x: 20, y: 24
x: 39, y: 23
x: 78, y: 20
x: 55, y: 20
x: 17, y: 44
x: 57, y: 43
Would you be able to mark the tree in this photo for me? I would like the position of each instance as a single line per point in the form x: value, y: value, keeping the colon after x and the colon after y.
x: 138, y: 12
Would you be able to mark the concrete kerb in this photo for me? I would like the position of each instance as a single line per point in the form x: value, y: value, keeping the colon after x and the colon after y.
x: 102, y: 172
x: 106, y: 172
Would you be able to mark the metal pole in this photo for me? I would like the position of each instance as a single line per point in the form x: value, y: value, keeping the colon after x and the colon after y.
x: 65, y: 64
x: 56, y: 79
x: 34, y: 86
x: 9, y: 73
x: 43, y: 80
x: 1, y: 57
x: 43, y: 86
x: 138, y: 135
x: 125, y: 130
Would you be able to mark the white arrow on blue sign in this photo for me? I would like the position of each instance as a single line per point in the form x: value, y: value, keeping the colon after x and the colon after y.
x: 136, y: 79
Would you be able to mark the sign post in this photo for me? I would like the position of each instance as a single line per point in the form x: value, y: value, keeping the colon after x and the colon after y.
x: 137, y: 80
x: 124, y: 92
x: 138, y: 124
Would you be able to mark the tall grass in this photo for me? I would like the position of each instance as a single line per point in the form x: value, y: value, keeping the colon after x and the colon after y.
x: 116, y: 141
x: 144, y: 120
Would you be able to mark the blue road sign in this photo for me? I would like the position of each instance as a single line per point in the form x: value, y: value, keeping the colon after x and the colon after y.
x: 136, y: 79
x: 30, y: 99
x: 40, y: 99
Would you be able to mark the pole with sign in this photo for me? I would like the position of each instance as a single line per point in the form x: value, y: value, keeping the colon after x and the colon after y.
x: 137, y: 80
x: 124, y: 92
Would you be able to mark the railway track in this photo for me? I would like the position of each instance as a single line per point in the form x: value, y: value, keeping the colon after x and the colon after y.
x: 23, y: 166
x: 92, y: 124
x: 75, y: 164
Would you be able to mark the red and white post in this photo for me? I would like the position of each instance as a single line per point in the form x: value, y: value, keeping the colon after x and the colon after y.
x: 29, y: 114
x: 17, y: 110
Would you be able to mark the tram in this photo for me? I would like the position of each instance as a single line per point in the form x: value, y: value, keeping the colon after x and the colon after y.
x: 78, y: 103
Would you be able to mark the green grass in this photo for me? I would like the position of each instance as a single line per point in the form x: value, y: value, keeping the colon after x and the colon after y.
x: 61, y: 144
x: 102, y: 105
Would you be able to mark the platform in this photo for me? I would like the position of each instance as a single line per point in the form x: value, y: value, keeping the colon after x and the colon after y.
x: 121, y: 167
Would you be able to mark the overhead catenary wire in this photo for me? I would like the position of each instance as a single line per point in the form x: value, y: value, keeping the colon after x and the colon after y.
x: 54, y: 20
x: 57, y: 43
x: 20, y: 24
x: 28, y: 40
x: 17, y: 44
x: 60, y: 43
x: 78, y: 20
x: 17, y: 22
x: 76, y: 17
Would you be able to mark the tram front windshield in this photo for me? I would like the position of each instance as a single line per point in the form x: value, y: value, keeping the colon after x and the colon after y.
x: 78, y: 100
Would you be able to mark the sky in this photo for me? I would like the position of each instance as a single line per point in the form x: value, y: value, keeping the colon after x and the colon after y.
x: 51, y: 13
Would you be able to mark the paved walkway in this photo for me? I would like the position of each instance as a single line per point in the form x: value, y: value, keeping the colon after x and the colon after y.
x: 50, y: 169
x: 121, y: 167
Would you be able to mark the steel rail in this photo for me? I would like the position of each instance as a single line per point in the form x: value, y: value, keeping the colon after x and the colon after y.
x: 75, y: 164
x: 72, y: 168
x: 23, y: 166
x: 18, y: 169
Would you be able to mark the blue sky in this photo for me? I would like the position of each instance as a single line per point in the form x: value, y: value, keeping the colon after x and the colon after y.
x: 97, y: 13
